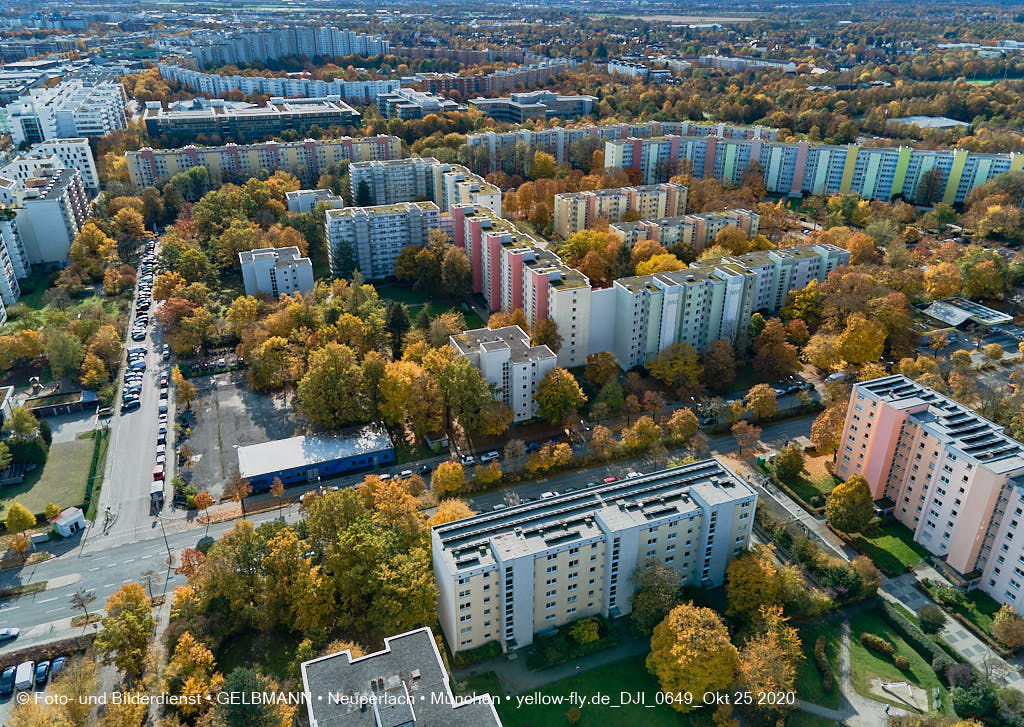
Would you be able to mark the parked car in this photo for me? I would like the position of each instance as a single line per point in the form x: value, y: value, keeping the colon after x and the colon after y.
x: 499, y: 506
x: 42, y: 674
x: 8, y: 634
x: 167, y: 352
x: 7, y: 681
x: 532, y: 447
x: 609, y: 480
x: 424, y: 470
x: 57, y: 665
x: 405, y: 473
x: 131, y: 405
x: 546, y: 495
x: 489, y: 457
x: 468, y: 459
x: 25, y: 676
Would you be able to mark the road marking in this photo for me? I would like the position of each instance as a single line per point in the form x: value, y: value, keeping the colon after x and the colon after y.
x: 9, y: 608
x: 130, y: 560
x: 96, y: 568
x: 47, y: 600
x: 54, y: 610
x: 109, y: 585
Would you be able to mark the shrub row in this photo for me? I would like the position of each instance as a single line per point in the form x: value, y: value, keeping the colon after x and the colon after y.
x: 912, y: 633
x: 480, y: 653
x: 828, y: 678
x: 877, y: 643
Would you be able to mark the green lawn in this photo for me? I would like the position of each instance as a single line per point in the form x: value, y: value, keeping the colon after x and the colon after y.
x: 891, y: 546
x: 978, y: 608
x: 483, y: 684
x: 415, y: 299
x: 61, y: 480
x: 808, y: 680
x: 803, y: 719
x: 808, y: 488
x: 629, y: 676
x: 866, y: 665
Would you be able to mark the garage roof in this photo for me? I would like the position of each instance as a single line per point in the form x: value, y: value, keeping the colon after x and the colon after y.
x: 255, y: 460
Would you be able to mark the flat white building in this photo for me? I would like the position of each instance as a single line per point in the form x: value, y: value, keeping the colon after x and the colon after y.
x: 504, y: 576
x: 288, y: 86
x: 509, y: 363
x: 276, y: 272
x: 50, y: 206
x: 420, y: 178
x: 73, y: 153
x: 70, y: 109
x: 374, y: 236
x: 306, y: 200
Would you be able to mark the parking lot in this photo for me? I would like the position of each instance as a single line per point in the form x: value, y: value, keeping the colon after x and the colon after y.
x: 228, y: 414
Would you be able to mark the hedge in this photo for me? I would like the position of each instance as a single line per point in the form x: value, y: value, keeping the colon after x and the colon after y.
x: 912, y: 633
x: 472, y: 656
x: 828, y: 678
x: 877, y: 643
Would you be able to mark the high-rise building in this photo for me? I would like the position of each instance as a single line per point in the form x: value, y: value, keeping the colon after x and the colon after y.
x: 70, y: 109
x: 509, y: 363
x: 798, y: 168
x: 256, y: 46
x: 954, y: 478
x: 374, y: 236
x: 506, y: 575
x: 276, y: 272
x: 419, y: 178
x: 575, y: 211
x: 489, y: 84
x: 50, y: 206
x: 74, y: 154
x: 698, y: 230
x: 220, y: 85
x: 232, y: 162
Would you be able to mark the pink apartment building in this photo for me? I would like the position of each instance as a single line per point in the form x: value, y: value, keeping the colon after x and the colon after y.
x: 951, y: 476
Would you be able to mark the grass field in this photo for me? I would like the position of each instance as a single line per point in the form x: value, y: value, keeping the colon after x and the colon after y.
x: 803, y: 719
x: 866, y: 665
x: 891, y: 547
x: 271, y: 653
x: 807, y: 487
x: 808, y: 680
x: 415, y: 300
x: 61, y: 480
x: 628, y: 677
x: 978, y: 608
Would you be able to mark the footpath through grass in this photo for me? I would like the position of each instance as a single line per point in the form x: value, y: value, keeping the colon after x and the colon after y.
x: 618, y: 681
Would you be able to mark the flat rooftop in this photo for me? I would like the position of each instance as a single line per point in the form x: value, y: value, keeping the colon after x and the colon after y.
x: 965, y: 430
x: 956, y: 311
x: 255, y: 460
x: 404, y: 684
x: 512, y: 338
x: 546, y: 523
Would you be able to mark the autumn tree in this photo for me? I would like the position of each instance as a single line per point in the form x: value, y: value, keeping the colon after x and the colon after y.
x: 656, y: 589
x: 237, y: 488
x: 185, y: 391
x: 752, y: 581
x: 331, y: 394
x: 773, y: 353
x: 449, y: 511
x: 746, y: 435
x: 827, y: 427
x: 691, y: 653
x: 642, y: 436
x: 449, y: 477
x: 762, y: 402
x: 1008, y: 627
x: 681, y: 426
x: 127, y: 629
x: 789, y: 462
x: 769, y: 661
x: 849, y: 508
x: 719, y: 363
x: 663, y: 263
x: 862, y: 340
x: 456, y: 273
x: 600, y: 369
x: 558, y: 394
x: 677, y: 366
x: 18, y: 518
x: 942, y: 280
x: 191, y: 673
x: 545, y: 333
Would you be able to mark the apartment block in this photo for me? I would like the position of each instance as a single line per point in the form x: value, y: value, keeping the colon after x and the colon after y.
x: 374, y: 236
x: 509, y: 363
x: 489, y: 84
x: 575, y: 211
x: 499, y: 146
x: 628, y: 68
x: 798, y: 168
x: 698, y: 230
x: 237, y: 163
x: 215, y: 48
x: 403, y: 685
x: 72, y: 108
x: 534, y: 105
x: 951, y: 476
x: 307, y: 200
x: 219, y: 85
x: 504, y: 576
x: 406, y: 103
x: 49, y: 204
x: 276, y: 272
x: 74, y: 154
x: 14, y: 263
x: 249, y: 124
x: 421, y: 178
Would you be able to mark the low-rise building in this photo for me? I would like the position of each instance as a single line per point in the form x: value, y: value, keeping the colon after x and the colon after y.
x: 536, y: 105
x: 276, y: 272
x: 307, y: 200
x: 954, y: 478
x: 407, y: 103
x: 306, y: 159
x: 509, y: 363
x: 307, y: 458
x: 373, y: 237
x: 506, y: 575
x: 403, y: 685
x: 249, y: 124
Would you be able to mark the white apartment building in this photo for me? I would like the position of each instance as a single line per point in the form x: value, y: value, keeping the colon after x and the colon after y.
x: 374, y: 236
x: 276, y: 272
x: 70, y: 109
x: 504, y: 576
x: 698, y: 230
x: 575, y: 211
x: 509, y: 363
x: 14, y: 264
x: 219, y: 85
x: 951, y: 476
x: 73, y: 153
x: 421, y: 178
x: 307, y: 200
x: 50, y: 205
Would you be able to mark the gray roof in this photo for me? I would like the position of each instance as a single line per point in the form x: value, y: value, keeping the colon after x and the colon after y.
x: 305, y: 451
x: 404, y: 684
x: 955, y: 311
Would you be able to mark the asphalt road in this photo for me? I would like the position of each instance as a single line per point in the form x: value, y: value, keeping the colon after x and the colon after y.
x: 101, y: 563
x: 131, y: 453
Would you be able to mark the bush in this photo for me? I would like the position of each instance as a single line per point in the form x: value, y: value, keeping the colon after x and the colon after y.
x: 828, y: 679
x: 931, y: 618
x: 876, y: 643
x: 817, y: 501
x: 28, y: 451
x: 911, y: 632
x: 948, y: 596
x: 902, y: 663
x: 573, y: 715
x: 940, y: 664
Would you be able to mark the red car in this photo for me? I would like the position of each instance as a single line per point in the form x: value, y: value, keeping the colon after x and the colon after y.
x: 609, y: 480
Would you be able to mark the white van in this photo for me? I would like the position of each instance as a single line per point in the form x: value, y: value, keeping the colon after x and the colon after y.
x: 25, y: 677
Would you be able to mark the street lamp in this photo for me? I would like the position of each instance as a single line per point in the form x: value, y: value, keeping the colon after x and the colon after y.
x: 166, y: 543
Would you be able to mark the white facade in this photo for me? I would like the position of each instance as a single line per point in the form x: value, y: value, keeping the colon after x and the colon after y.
x: 50, y: 205
x: 506, y: 575
x: 70, y: 109
x: 374, y: 236
x: 419, y: 178
x: 73, y: 153
x: 276, y: 272
x: 306, y: 200
x: 508, y: 362
x: 287, y: 86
